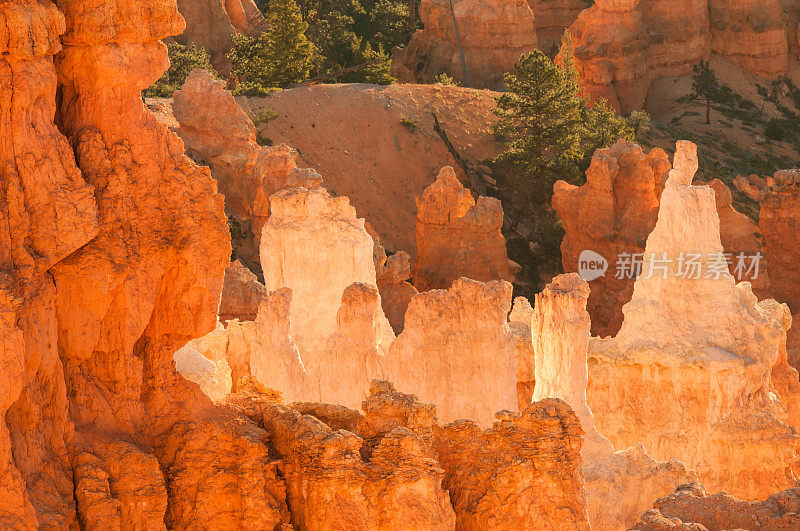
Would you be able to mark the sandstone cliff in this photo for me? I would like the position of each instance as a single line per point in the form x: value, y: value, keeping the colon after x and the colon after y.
x: 493, y: 36
x: 689, y: 374
x: 457, y: 237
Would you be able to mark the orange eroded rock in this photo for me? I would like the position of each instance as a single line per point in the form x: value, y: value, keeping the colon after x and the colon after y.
x: 242, y: 294
x: 392, y: 275
x: 552, y: 17
x: 217, y: 132
x: 457, y: 237
x: 619, y: 485
x: 454, y: 342
x: 493, y: 36
x: 519, y: 324
x: 691, y: 509
x: 620, y: 47
x: 689, y: 374
x: 614, y: 212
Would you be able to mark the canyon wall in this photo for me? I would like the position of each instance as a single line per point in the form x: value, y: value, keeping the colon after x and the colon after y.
x: 689, y: 374
x: 217, y: 132
x: 621, y: 47
x: 493, y: 35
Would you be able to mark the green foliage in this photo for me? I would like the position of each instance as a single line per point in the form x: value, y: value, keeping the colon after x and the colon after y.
x: 444, y: 79
x: 640, y: 122
x: 549, y: 129
x: 777, y: 129
x: 182, y: 60
x: 280, y: 56
x: 409, y: 123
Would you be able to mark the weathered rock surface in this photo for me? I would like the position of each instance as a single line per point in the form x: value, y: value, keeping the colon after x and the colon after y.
x: 493, y: 36
x: 213, y: 377
x: 211, y: 24
x: 329, y: 484
x: 454, y: 342
x: 526, y: 468
x: 614, y: 212
x: 457, y: 237
x: 619, y: 485
x: 689, y: 374
x: 621, y: 47
x: 691, y: 509
x: 519, y: 324
x: 552, y: 18
x: 217, y: 132
x: 242, y: 294
x: 315, y: 245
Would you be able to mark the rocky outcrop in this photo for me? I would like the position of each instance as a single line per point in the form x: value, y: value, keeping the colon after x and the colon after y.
x: 530, y: 460
x: 454, y: 342
x: 493, y: 36
x: 619, y: 485
x: 217, y: 132
x: 457, y: 237
x: 242, y: 294
x: 691, y: 509
x: 611, y: 215
x: 213, y: 377
x: 393, y: 275
x: 329, y: 484
x: 211, y: 24
x: 315, y: 245
x: 614, y: 212
x: 621, y: 47
x: 689, y: 374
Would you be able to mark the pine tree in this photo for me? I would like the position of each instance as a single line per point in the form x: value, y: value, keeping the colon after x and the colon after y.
x: 705, y: 86
x: 540, y: 116
x: 280, y: 56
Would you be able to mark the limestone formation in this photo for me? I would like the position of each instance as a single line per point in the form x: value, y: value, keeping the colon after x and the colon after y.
x: 493, y: 36
x: 217, y: 132
x: 615, y: 211
x: 242, y: 294
x: 689, y: 374
x: 113, y: 249
x: 619, y: 485
x: 393, y: 275
x: 454, y: 342
x: 211, y: 24
x: 213, y: 377
x: 621, y: 47
x: 315, y: 245
x: 457, y: 237
x: 691, y: 509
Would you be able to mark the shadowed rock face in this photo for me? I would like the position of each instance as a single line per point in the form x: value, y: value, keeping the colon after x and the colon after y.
x: 493, y: 36
x: 690, y: 373
x: 457, y: 237
x: 621, y: 47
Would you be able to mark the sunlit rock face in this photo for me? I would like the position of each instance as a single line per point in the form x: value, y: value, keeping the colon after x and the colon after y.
x: 315, y: 245
x: 454, y: 342
x: 552, y: 18
x: 393, y: 274
x: 619, y: 485
x: 621, y: 47
x: 493, y: 36
x: 689, y: 374
x: 217, y: 132
x: 613, y: 214
x: 457, y: 237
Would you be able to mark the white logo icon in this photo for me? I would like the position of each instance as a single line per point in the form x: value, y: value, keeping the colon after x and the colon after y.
x: 591, y: 265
